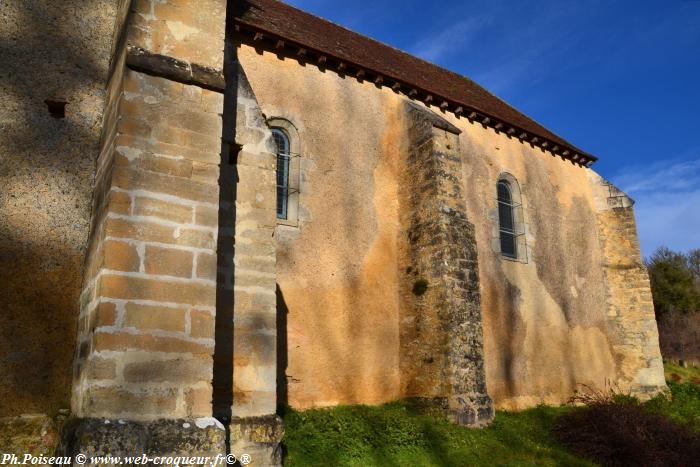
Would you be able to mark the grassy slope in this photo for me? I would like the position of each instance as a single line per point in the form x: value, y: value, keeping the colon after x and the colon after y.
x: 684, y: 406
x: 399, y: 434
x: 677, y: 373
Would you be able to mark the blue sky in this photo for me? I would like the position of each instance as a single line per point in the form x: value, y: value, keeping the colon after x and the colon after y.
x: 620, y: 80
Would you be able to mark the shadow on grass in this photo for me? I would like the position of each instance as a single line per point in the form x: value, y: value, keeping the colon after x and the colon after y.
x: 398, y: 434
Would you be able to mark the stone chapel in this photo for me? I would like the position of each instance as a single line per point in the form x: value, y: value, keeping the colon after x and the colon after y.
x: 212, y: 209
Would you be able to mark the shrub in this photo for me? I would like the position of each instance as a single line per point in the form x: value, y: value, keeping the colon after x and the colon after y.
x: 616, y: 430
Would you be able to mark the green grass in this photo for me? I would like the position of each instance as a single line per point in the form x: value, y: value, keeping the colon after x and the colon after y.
x: 400, y: 434
x: 678, y: 374
x: 684, y: 405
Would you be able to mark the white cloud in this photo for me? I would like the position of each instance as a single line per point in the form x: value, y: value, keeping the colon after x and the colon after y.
x: 455, y: 37
x: 666, y: 177
x: 667, y: 205
x: 669, y: 219
x: 517, y: 70
x: 500, y: 45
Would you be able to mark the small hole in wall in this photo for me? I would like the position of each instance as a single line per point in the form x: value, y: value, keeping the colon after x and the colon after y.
x: 420, y: 287
x: 57, y: 107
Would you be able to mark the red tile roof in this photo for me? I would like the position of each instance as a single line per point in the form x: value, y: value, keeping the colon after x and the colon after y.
x: 275, y: 21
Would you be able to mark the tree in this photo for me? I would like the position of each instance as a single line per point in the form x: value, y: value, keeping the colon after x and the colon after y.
x: 694, y: 265
x: 675, y: 280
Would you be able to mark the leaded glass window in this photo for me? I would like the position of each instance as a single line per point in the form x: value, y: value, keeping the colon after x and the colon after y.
x: 506, y: 220
x: 283, y: 157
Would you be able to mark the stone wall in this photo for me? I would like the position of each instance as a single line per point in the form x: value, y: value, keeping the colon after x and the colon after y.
x: 146, y: 329
x: 190, y: 31
x: 337, y: 267
x: 147, y: 321
x: 546, y: 324
x: 342, y: 268
x: 56, y: 52
x: 546, y: 329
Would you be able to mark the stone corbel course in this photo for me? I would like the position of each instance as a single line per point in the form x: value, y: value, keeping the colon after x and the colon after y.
x: 140, y: 59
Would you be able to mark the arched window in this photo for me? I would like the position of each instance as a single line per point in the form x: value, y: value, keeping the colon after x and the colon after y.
x: 288, y: 149
x: 283, y: 163
x: 506, y: 220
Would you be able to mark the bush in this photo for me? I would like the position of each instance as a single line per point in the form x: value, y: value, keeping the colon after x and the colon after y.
x: 618, y: 431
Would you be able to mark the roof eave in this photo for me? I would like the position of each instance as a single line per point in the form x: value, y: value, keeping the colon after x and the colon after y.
x: 260, y: 38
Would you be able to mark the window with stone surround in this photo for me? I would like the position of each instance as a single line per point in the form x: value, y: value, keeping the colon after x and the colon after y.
x: 506, y: 220
x: 287, y: 145
x: 511, y: 226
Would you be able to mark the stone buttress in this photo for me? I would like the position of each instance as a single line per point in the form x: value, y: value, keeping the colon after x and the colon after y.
x: 441, y: 330
x: 629, y: 305
x: 177, y: 324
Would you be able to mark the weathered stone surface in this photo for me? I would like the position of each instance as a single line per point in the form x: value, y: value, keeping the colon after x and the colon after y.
x: 206, y: 266
x: 149, y: 317
x: 184, y: 31
x: 105, y: 314
x: 180, y: 437
x: 133, y: 403
x: 121, y: 256
x: 441, y: 336
x: 57, y: 51
x: 175, y: 69
x: 101, y: 368
x: 629, y: 306
x: 201, y: 324
x: 168, y: 261
x: 258, y: 437
x: 163, y: 209
x: 127, y: 341
x: 29, y: 434
x: 176, y: 371
x: 149, y: 231
x: 160, y: 290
